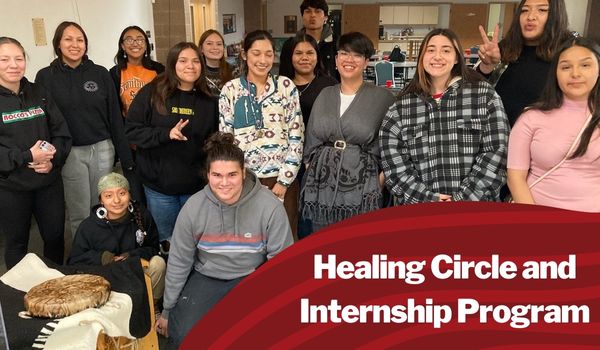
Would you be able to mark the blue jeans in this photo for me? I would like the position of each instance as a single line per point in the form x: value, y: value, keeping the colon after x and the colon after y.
x: 164, y: 209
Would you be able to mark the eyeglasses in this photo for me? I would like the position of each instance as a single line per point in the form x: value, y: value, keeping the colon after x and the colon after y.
x: 344, y: 55
x: 130, y: 41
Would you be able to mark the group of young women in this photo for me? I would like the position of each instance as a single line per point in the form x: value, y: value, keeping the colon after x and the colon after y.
x: 269, y: 180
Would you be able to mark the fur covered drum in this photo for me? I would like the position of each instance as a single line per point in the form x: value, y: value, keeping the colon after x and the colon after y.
x: 64, y: 296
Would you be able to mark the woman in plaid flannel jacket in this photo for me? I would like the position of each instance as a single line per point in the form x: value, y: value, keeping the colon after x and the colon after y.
x: 445, y: 138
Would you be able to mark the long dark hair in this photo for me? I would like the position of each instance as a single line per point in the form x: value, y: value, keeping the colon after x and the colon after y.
x: 221, y: 146
x: 555, y: 32
x: 421, y: 82
x: 553, y: 97
x: 250, y: 39
x: 58, y: 33
x: 225, y: 70
x: 168, y: 82
x: 305, y: 38
x: 121, y: 56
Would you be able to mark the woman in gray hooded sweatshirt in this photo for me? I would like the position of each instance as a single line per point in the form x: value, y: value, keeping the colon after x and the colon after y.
x: 222, y: 234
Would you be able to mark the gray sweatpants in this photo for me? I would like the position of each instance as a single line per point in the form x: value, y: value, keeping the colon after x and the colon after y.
x: 85, y: 165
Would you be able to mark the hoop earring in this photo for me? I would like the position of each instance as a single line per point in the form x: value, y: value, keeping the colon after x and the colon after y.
x: 130, y: 207
x: 101, y: 212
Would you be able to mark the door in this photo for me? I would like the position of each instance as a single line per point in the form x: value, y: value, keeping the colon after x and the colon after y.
x: 509, y: 14
x: 253, y: 16
x: 202, y: 18
x: 465, y: 20
x: 592, y: 29
x: 362, y: 18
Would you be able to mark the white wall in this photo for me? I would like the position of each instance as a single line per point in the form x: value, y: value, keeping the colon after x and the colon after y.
x: 577, y: 10
x: 231, y: 7
x: 276, y: 9
x: 102, y: 21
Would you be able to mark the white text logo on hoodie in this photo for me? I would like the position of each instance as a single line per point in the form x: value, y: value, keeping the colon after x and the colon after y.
x: 22, y: 115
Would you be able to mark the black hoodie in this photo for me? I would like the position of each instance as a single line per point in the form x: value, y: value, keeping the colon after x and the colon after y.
x: 95, y: 236
x: 87, y: 98
x: 168, y: 166
x: 27, y: 117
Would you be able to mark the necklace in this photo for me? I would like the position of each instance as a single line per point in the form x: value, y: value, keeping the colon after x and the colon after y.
x: 300, y: 92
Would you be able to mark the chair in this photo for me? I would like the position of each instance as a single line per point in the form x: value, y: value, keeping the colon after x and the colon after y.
x: 149, y: 342
x: 384, y: 71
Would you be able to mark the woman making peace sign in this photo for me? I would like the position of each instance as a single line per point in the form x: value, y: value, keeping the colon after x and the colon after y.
x: 168, y: 121
x: 535, y: 33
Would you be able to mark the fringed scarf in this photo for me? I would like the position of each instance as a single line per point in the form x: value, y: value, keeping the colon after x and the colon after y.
x: 340, y: 184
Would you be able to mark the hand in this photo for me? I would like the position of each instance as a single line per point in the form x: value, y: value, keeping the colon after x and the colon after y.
x: 489, y: 51
x: 445, y: 198
x: 381, y: 180
x: 120, y: 257
x: 279, y: 190
x: 175, y: 133
x: 38, y: 155
x: 41, y: 168
x: 161, y: 326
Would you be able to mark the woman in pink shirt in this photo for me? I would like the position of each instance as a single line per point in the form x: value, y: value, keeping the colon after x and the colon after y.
x: 546, y: 135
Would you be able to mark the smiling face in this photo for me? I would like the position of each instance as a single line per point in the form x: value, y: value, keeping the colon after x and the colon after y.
x: 134, y: 44
x: 350, y: 64
x: 259, y: 59
x: 213, y: 49
x: 577, y: 72
x: 188, y: 68
x: 438, y: 59
x: 12, y: 66
x: 304, y: 58
x: 226, y: 180
x: 72, y: 46
x: 116, y: 201
x: 533, y: 18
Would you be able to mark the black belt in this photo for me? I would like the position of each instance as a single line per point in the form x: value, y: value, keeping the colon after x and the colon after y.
x: 341, y: 145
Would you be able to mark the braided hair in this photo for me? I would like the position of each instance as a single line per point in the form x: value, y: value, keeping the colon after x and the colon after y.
x: 136, y: 211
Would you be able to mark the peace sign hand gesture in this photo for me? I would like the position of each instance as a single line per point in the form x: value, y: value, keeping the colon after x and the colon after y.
x: 489, y: 52
x: 175, y: 133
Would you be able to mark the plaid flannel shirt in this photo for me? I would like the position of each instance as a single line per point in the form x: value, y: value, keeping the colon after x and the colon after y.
x: 457, y: 146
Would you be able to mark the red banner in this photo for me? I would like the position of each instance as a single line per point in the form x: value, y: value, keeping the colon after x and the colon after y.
x: 442, y: 275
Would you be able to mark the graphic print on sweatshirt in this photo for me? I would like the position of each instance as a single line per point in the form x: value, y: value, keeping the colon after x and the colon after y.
x: 22, y: 115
